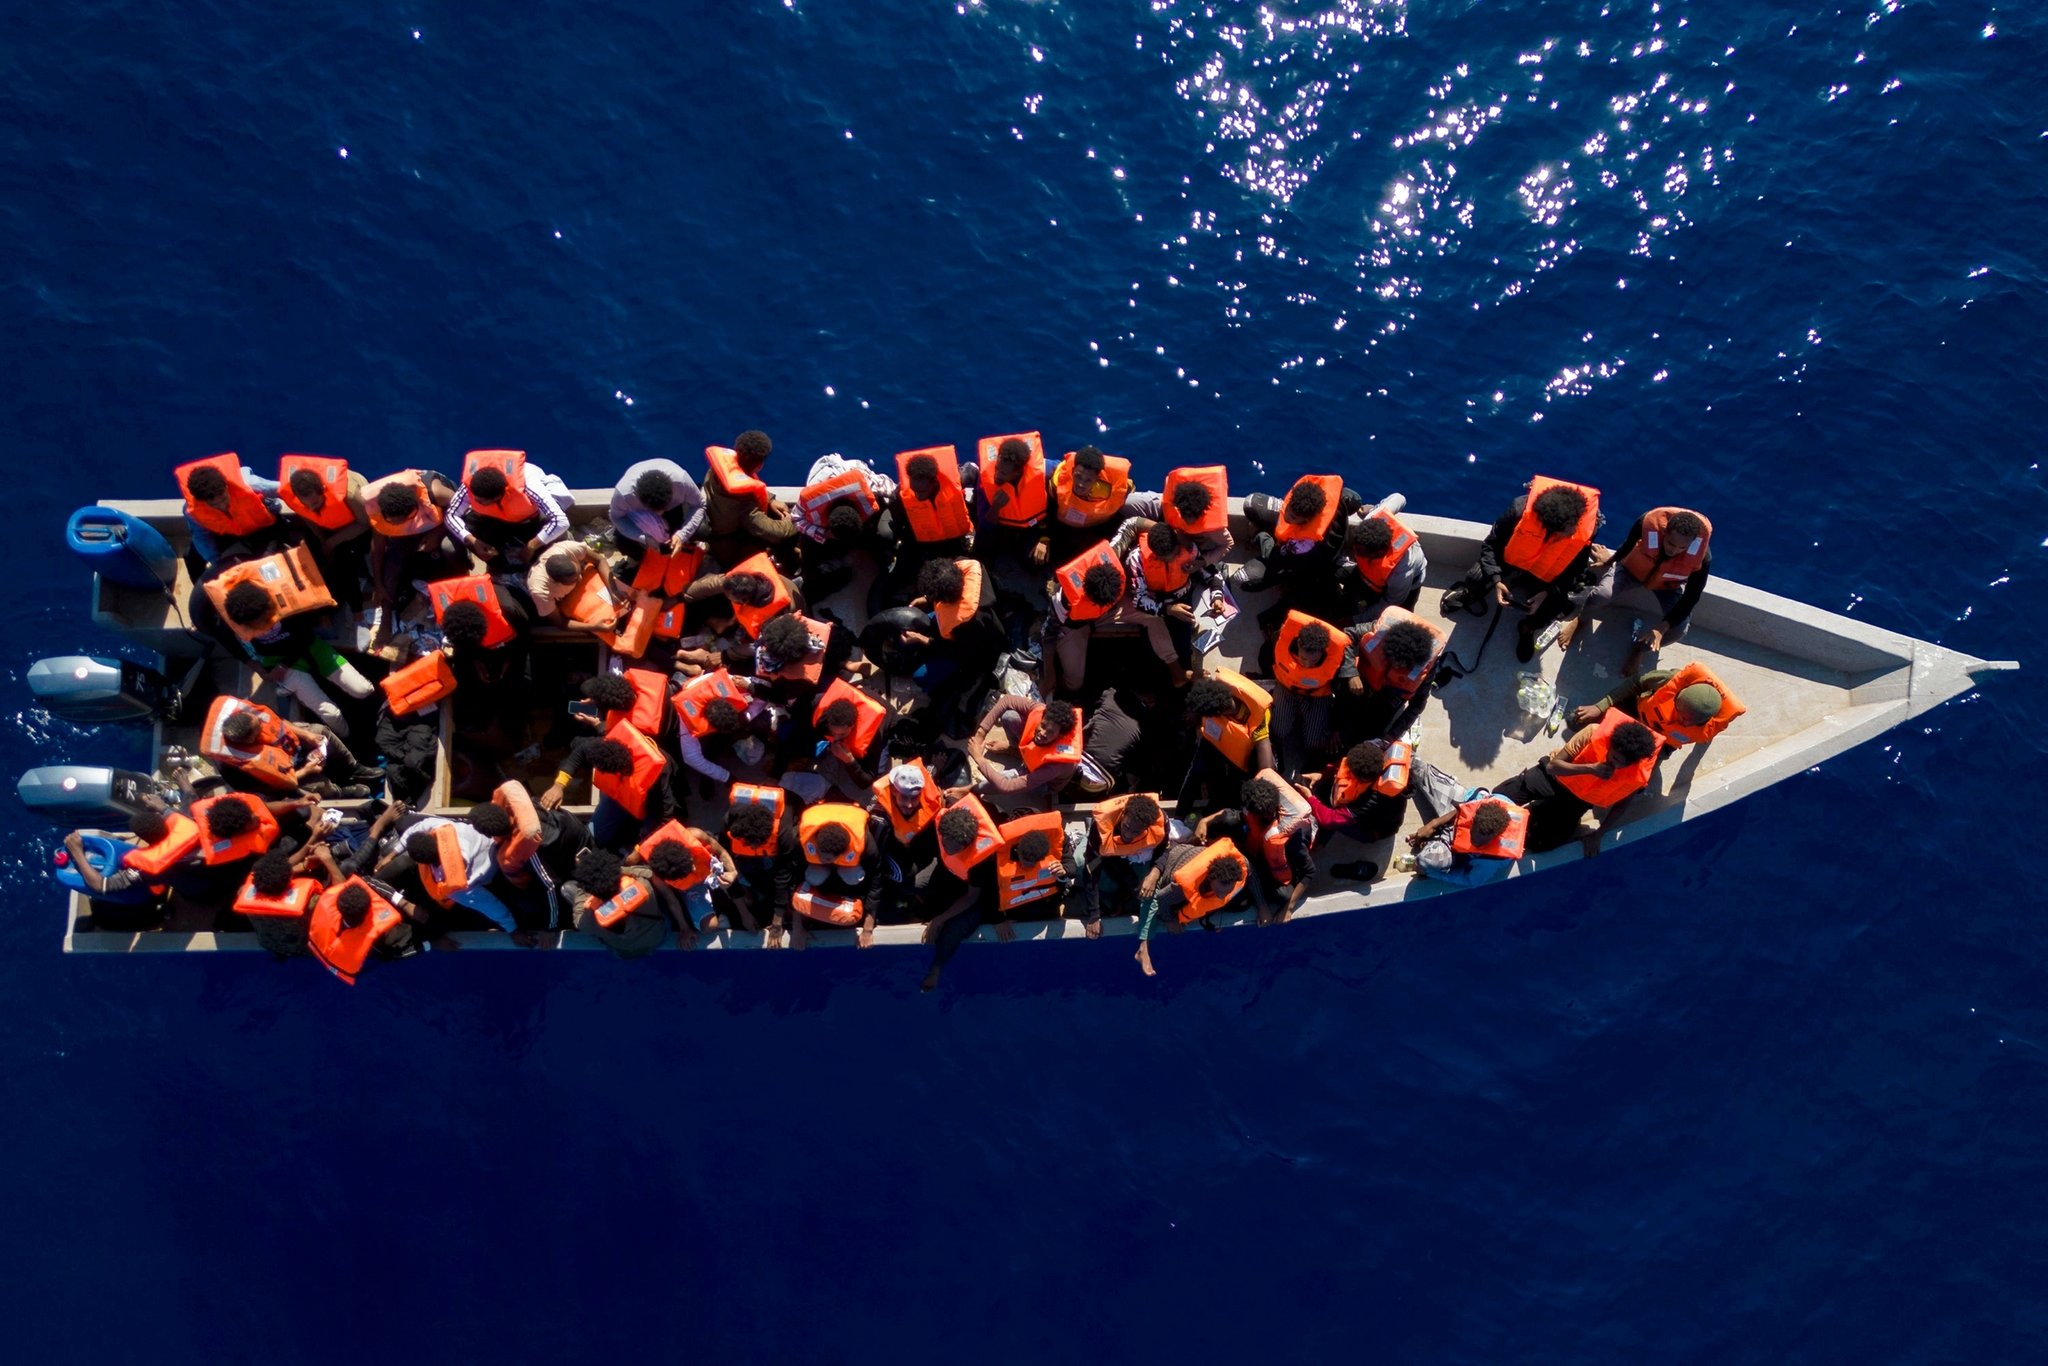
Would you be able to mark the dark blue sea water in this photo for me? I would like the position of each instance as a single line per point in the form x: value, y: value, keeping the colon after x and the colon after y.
x: 1772, y: 1088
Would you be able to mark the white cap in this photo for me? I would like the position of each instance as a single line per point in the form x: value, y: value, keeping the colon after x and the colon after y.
x: 907, y: 778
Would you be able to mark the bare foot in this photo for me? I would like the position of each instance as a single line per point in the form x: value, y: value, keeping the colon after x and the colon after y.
x: 1566, y: 635
x: 1094, y: 928
x: 931, y: 979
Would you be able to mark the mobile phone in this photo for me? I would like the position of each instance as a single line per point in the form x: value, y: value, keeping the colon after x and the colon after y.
x: 589, y: 711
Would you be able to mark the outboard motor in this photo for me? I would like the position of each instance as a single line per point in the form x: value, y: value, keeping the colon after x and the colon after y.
x: 90, y: 690
x: 87, y: 794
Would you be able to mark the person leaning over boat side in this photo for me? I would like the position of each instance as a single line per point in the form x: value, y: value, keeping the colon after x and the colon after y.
x: 1187, y: 883
x: 616, y: 907
x: 761, y: 833
x: 228, y: 506
x: 741, y: 516
x: 1383, y: 562
x: 1598, y: 769
x: 656, y: 505
x: 1274, y: 827
x: 1299, y: 545
x: 508, y: 508
x: 1045, y: 739
x: 1663, y: 566
x: 963, y: 881
x: 1534, y: 558
x: 1125, y: 834
x: 1684, y: 706
x: 842, y: 509
x: 1469, y: 836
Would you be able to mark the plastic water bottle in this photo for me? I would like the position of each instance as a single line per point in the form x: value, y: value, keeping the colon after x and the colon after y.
x: 1549, y: 635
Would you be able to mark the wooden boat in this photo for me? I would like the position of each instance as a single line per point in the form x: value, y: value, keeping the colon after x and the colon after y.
x: 1815, y: 683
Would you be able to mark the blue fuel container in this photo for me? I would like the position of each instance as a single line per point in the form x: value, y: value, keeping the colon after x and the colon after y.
x: 122, y: 549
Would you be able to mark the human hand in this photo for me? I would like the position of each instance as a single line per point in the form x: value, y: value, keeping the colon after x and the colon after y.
x: 1585, y: 716
x: 552, y: 798
x: 1501, y: 594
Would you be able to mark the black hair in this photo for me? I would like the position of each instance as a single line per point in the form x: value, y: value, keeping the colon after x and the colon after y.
x: 561, y: 569
x: 1260, y: 798
x: 752, y: 447
x: 397, y: 501
x: 957, y: 830
x: 1011, y: 458
x: 1313, y: 638
x: 1102, y: 584
x: 1191, y: 500
x: 240, y: 728
x: 206, y: 483
x: 1089, y: 458
x: 491, y: 819
x: 1489, y: 822
x: 832, y: 840
x: 1683, y: 526
x: 1162, y: 540
x: 230, y: 817
x: 1305, y: 501
x: 249, y: 604
x: 654, y: 489
x: 353, y: 903
x: 749, y: 589
x: 610, y: 691
x: 1372, y: 537
x: 724, y: 716
x: 306, y: 483
x: 1031, y: 846
x: 150, y: 826
x: 464, y: 624
x: 1055, y: 721
x: 941, y: 580
x: 1224, y: 874
x: 921, y: 469
x: 840, y: 712
x: 671, y: 860
x: 843, y: 522
x: 1559, y: 509
x: 1407, y: 646
x: 1632, y: 742
x: 597, y: 872
x: 752, y: 823
x: 271, y: 874
x: 422, y: 848
x: 1365, y: 760
x: 1137, y: 816
x: 1209, y: 697
x: 488, y: 484
x: 611, y: 756
x: 786, y: 637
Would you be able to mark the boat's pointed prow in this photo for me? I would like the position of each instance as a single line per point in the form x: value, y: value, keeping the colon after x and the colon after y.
x: 1940, y: 675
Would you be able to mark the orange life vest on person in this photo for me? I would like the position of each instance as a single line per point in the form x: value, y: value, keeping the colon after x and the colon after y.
x: 951, y: 616
x: 1165, y: 576
x: 987, y: 838
x: 1022, y: 504
x: 1292, y: 673
x: 517, y: 505
x: 633, y: 895
x: 868, y: 715
x: 181, y: 837
x: 630, y: 789
x: 1189, y: 878
x: 752, y: 619
x: 1273, y: 835
x: 479, y: 589
x: 524, y: 842
x: 668, y: 621
x: 1535, y: 551
x: 1346, y: 787
x: 1318, y: 526
x: 1106, y: 817
x: 632, y: 636
x: 335, y: 513
x: 850, y: 485
x: 251, y: 842
x: 449, y: 872
x: 1659, y: 711
x: 247, y: 512
x: 665, y: 573
x: 843, y: 814
x: 271, y: 759
x: 1393, y: 779
x: 827, y: 910
x: 425, y: 516
x: 945, y: 517
x: 1626, y: 782
x: 1372, y: 664
x: 1212, y: 477
x: 1233, y: 736
x: 1509, y: 844
x: 290, y: 577
x: 700, y: 856
x: 724, y: 463
x: 1660, y: 566
x: 811, y: 667
x: 930, y: 799
x: 292, y: 903
x: 1075, y: 509
x: 419, y: 684
x: 1377, y: 569
x: 752, y: 794
x: 589, y: 602
x: 1065, y: 750
x: 700, y: 692
x: 1080, y: 607
x: 1020, y: 884
x: 343, y: 949
x: 650, y: 698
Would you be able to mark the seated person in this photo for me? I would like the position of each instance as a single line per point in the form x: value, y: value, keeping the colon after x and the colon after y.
x: 1092, y: 591
x: 276, y: 900
x: 508, y: 508
x: 961, y: 638
x: 1167, y: 578
x: 1300, y: 540
x: 409, y: 541
x: 228, y: 506
x: 757, y: 591
x: 1232, y: 718
x: 1662, y: 568
x: 1032, y: 878
x: 724, y: 719
x: 842, y: 847
x: 962, y: 883
x: 1383, y: 561
x: 687, y: 865
x: 616, y: 907
x: 794, y: 656
x: 1090, y: 497
x: 909, y: 799
x: 1534, y: 558
x: 1044, y: 739
x: 362, y: 920
x: 851, y: 728
x: 1366, y: 791
x: 1012, y: 507
x: 560, y: 574
x: 741, y: 517
x: 455, y: 863
x: 286, y: 650
x: 1471, y: 836
x: 1187, y: 883
x: 633, y: 781
x: 282, y: 755
x: 656, y: 505
x: 326, y: 500
x: 535, y: 852
x: 1196, y: 503
x: 1275, y: 827
x: 1125, y: 834
x: 1397, y: 662
x: 1683, y: 706
x: 761, y: 833
x: 842, y: 509
x: 1311, y: 661
x: 1599, y: 768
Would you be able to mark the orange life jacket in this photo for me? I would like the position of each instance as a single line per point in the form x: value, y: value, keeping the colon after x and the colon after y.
x: 335, y: 513
x: 987, y: 838
x: 650, y: 697
x: 827, y: 910
x: 590, y: 601
x: 1165, y: 576
x: 811, y: 667
x: 1019, y: 505
x: 1346, y: 787
x: 1212, y: 477
x: 1106, y: 817
x: 1075, y: 509
x: 752, y: 794
x: 676, y: 831
x: 1535, y: 551
x: 1393, y: 779
x: 449, y: 872
x: 290, y: 577
x: 419, y: 684
x: 256, y: 840
x: 343, y: 950
x: 667, y: 574
x: 271, y: 759
x: 945, y: 517
x: 930, y: 799
x: 181, y: 837
x: 1273, y: 835
x: 868, y: 715
x: 1372, y: 664
x: 1019, y: 884
x: 1380, y: 568
x: 1508, y: 845
x: 1189, y: 879
x: 247, y: 513
x: 1626, y: 782
x: 700, y: 692
x: 1065, y: 750
x: 1081, y: 607
x: 630, y: 789
x: 1660, y: 566
x: 752, y: 619
x: 425, y: 515
x: 668, y: 621
x: 850, y: 485
x: 1298, y: 677
x: 524, y: 842
x: 633, y: 635
x: 1230, y: 735
x: 1659, y: 711
x: 517, y: 505
x: 294, y: 902
x: 479, y: 589
x: 843, y: 814
x: 725, y: 469
x: 1317, y: 527
x: 952, y: 616
x: 633, y: 894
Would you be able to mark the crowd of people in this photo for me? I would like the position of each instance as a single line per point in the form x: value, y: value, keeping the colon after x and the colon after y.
x: 1016, y: 712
